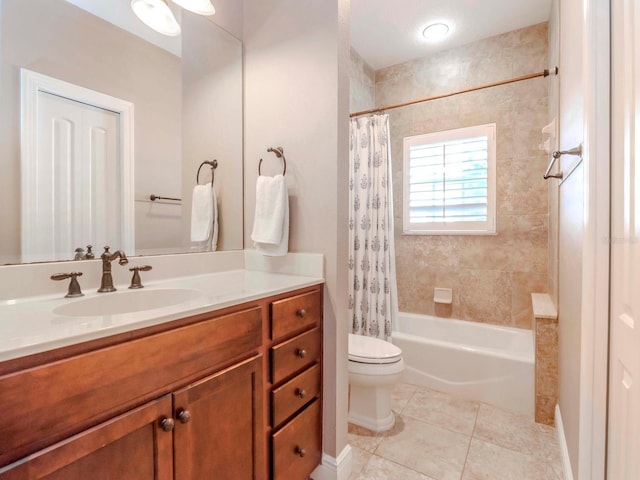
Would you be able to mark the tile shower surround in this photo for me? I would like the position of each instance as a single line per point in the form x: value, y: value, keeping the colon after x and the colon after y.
x: 492, y: 277
x: 440, y: 437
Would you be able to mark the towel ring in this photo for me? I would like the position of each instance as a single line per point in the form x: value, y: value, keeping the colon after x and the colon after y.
x: 279, y: 152
x: 213, y: 164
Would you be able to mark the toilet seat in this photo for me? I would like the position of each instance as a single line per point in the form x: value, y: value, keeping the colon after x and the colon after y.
x: 372, y: 350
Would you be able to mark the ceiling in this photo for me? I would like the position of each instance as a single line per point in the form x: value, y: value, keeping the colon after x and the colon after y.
x: 388, y: 32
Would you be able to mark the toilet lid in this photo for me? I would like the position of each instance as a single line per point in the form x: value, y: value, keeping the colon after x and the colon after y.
x: 372, y: 350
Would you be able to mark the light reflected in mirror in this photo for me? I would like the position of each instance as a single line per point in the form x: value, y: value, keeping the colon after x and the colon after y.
x: 185, y: 95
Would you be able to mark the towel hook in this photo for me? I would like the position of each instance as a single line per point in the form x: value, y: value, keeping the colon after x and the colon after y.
x: 213, y: 164
x: 278, y: 152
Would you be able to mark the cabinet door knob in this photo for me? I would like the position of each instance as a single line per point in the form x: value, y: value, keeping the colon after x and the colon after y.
x: 184, y: 416
x: 167, y: 424
x: 301, y: 313
x: 300, y: 392
x: 301, y: 452
x: 301, y: 352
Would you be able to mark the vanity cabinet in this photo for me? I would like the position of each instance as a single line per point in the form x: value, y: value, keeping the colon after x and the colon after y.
x: 296, y: 385
x: 219, y: 428
x: 231, y: 394
x: 131, y: 446
x: 213, y: 425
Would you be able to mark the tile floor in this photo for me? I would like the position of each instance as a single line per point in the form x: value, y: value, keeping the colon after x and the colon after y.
x: 439, y: 437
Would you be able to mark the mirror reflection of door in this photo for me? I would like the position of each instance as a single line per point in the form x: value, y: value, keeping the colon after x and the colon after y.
x: 74, y: 175
x: 78, y: 158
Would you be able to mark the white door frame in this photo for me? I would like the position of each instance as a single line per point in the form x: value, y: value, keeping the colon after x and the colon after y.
x: 32, y: 83
x: 594, y: 339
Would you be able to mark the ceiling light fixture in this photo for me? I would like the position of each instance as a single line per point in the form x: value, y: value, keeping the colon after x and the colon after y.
x: 156, y: 15
x: 201, y: 7
x: 435, y: 32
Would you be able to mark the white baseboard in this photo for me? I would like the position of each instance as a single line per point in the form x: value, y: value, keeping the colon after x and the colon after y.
x: 564, y: 451
x: 334, y: 468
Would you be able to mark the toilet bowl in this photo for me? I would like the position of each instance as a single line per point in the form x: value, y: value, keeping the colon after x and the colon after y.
x: 375, y: 366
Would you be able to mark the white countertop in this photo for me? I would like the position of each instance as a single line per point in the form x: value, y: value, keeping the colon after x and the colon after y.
x: 29, y: 325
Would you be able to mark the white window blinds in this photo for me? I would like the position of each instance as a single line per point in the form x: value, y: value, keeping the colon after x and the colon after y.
x: 449, y: 182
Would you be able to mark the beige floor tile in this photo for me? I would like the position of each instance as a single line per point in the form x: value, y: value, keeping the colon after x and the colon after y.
x: 359, y: 460
x: 443, y: 410
x: 380, y: 469
x: 364, y: 439
x: 516, y: 432
x: 487, y: 461
x: 401, y: 394
x: 426, y: 448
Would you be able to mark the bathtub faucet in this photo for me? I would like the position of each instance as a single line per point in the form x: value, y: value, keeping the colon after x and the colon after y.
x: 106, y: 284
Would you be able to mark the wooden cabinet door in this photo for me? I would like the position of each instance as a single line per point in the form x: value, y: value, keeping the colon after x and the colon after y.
x: 132, y: 446
x: 219, y: 425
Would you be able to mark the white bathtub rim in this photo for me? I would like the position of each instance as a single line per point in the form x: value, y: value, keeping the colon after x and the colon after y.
x: 525, y: 357
x: 489, y: 352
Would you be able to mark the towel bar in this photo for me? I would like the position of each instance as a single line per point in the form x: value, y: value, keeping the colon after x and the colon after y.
x: 154, y: 197
x: 278, y: 152
x: 556, y: 155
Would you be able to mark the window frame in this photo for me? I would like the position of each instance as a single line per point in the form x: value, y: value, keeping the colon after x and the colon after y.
x: 487, y: 227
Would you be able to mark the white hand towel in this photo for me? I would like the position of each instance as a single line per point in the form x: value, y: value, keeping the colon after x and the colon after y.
x: 279, y: 249
x: 271, y: 224
x: 202, y: 211
x: 214, y: 236
x: 271, y: 193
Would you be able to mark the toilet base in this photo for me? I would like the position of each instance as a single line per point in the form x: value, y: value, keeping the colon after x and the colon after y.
x: 370, y: 407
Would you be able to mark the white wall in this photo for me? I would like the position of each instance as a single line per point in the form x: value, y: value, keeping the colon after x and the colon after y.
x: 571, y: 225
x: 229, y: 16
x: 583, y: 232
x: 297, y: 97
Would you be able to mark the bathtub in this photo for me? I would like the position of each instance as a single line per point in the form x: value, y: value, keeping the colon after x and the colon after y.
x: 476, y: 361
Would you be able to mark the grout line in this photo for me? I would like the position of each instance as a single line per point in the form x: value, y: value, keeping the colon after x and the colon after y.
x: 402, y: 465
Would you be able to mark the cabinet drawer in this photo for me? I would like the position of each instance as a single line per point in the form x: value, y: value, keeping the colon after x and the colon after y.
x: 48, y: 403
x: 293, y: 355
x: 294, y: 394
x: 297, y: 446
x: 295, y: 313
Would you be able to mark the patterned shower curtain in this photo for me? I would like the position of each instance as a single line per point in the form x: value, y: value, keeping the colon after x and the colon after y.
x: 371, y: 272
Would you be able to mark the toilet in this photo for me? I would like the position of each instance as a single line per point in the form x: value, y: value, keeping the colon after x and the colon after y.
x: 375, y: 366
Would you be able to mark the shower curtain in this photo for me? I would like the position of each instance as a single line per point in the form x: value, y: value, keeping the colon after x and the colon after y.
x: 372, y: 299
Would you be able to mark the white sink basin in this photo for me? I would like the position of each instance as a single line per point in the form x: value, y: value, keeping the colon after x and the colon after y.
x: 126, y: 302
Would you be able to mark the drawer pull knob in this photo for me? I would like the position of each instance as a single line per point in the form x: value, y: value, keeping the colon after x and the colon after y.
x: 301, y: 352
x: 184, y: 416
x: 301, y: 313
x: 300, y: 392
x: 301, y: 452
x: 167, y: 424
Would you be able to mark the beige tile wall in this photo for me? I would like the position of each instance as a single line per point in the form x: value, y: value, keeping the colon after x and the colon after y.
x: 361, y: 85
x: 491, y: 276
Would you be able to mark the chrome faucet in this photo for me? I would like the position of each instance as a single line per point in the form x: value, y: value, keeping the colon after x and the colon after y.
x: 106, y: 284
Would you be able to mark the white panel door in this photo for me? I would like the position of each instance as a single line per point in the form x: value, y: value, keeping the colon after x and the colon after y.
x: 78, y: 197
x: 623, y: 450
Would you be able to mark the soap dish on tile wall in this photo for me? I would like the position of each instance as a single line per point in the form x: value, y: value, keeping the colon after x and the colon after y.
x: 443, y: 295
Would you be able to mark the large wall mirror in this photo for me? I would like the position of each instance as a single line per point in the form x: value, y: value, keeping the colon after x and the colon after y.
x: 98, y: 113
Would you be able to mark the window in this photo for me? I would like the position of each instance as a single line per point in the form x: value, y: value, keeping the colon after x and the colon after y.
x: 449, y: 182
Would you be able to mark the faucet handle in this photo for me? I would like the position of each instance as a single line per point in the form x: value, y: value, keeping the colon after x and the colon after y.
x: 89, y: 255
x: 74, y: 286
x: 135, y: 280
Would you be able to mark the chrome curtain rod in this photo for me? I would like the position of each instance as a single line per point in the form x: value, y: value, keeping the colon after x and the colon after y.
x: 544, y: 73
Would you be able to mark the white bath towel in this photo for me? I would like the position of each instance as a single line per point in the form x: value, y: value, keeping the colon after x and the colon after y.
x: 204, y: 213
x: 271, y: 223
